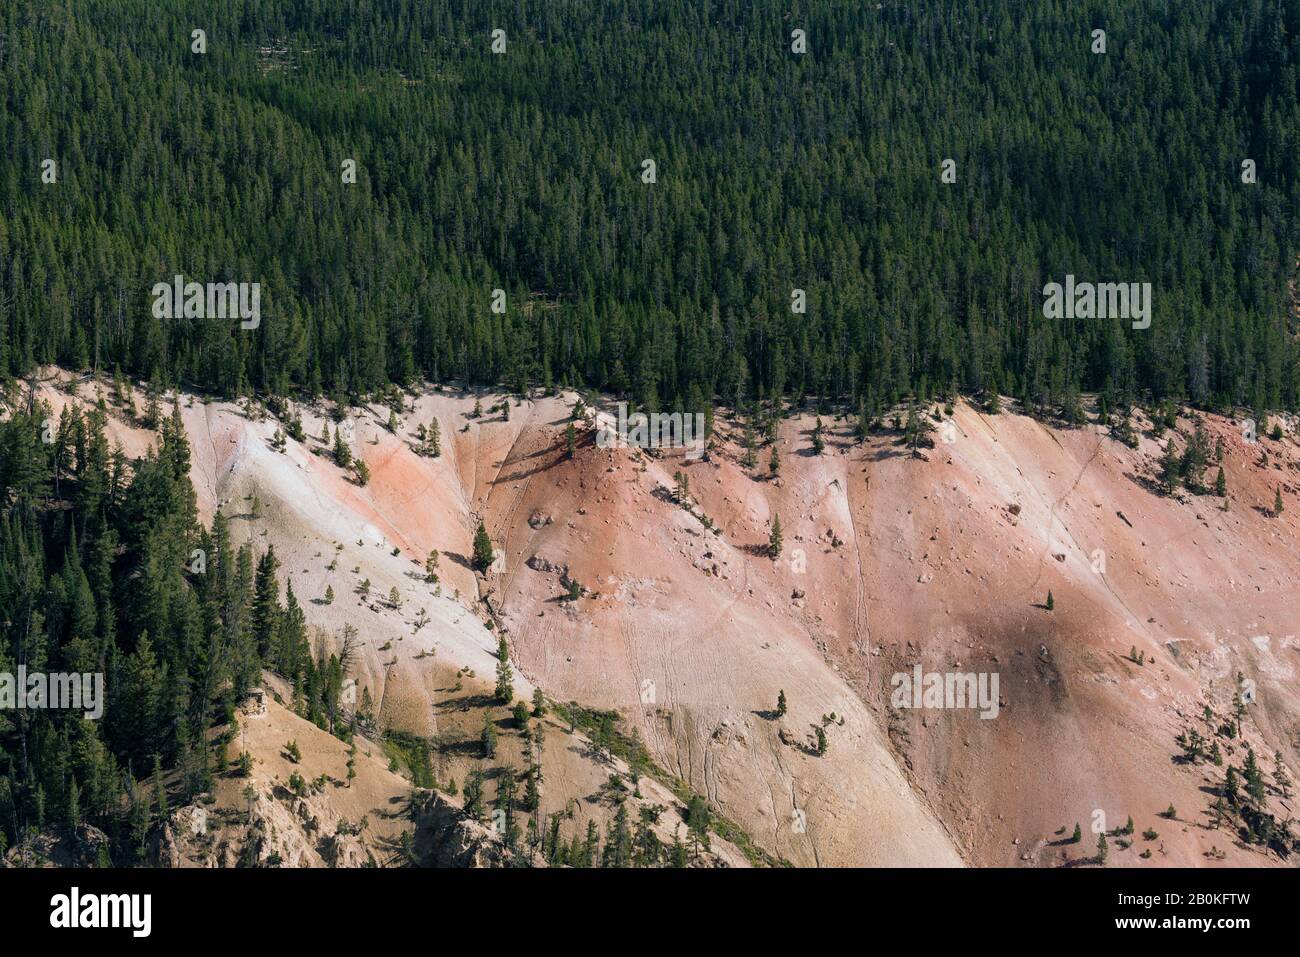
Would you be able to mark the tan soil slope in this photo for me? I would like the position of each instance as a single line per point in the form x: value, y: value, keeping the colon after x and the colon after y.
x: 889, y: 562
x: 331, y: 821
x: 432, y: 679
x: 695, y: 658
x: 954, y: 580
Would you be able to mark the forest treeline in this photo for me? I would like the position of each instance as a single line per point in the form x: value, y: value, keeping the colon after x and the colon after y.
x: 774, y: 171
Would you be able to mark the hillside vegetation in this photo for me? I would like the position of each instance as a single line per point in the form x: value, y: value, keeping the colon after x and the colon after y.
x: 774, y: 171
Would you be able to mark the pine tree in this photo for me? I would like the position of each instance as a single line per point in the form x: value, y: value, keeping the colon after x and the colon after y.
x: 1220, y: 484
x: 74, y: 806
x: 474, y: 787
x: 618, y: 841
x: 532, y: 790
x: 488, y: 737
x: 266, y: 606
x: 435, y: 439
x: 342, y: 453
x: 1254, y: 777
x: 1051, y: 602
x: 140, y: 820
x: 1280, y: 776
x: 505, y: 688
x: 483, y: 555
x: 1170, y: 468
x: 780, y: 703
x: 1230, y: 785
x: 682, y: 490
x: 677, y: 857
x: 505, y: 805
x: 862, y: 427
x: 774, y: 542
x: 916, y: 432
x: 698, y: 821
x: 520, y: 716
x: 590, y: 847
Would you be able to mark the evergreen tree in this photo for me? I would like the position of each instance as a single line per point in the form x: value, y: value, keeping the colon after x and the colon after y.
x: 590, y: 847
x: 1280, y: 776
x: 474, y: 794
x: 1254, y: 777
x: 505, y: 688
x: 1170, y: 468
x: 774, y: 542
x: 483, y: 555
x: 342, y: 452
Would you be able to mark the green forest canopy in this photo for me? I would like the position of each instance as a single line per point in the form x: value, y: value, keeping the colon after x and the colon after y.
x: 774, y: 171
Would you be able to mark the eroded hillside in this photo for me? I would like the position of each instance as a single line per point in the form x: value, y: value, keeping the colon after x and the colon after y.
x: 616, y: 590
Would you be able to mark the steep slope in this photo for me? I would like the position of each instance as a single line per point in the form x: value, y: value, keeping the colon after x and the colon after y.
x: 889, y: 562
x: 893, y: 561
x: 427, y: 663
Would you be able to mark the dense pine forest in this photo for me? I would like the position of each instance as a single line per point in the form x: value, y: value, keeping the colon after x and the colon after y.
x: 774, y: 170
x: 105, y: 568
x: 127, y: 157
